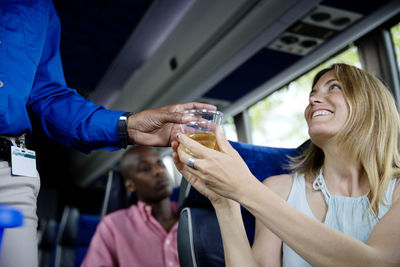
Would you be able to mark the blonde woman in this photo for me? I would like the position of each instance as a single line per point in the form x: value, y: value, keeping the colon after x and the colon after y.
x: 340, y: 205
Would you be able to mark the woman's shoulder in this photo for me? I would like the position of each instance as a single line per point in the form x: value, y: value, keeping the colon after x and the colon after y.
x: 396, y: 192
x: 280, y: 184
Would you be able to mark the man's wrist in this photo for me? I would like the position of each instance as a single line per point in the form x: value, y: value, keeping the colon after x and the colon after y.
x: 122, y: 131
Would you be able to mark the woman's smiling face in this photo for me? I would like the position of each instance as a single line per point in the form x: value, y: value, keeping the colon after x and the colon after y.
x: 327, y: 111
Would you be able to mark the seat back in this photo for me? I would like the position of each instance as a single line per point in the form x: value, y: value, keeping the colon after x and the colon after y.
x: 199, y: 237
x: 118, y: 197
x: 86, y: 228
x: 73, y: 239
x: 48, y: 242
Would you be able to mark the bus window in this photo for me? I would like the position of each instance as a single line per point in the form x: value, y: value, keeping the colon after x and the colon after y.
x: 278, y: 119
x: 173, y: 172
x: 395, y: 31
x: 230, y: 129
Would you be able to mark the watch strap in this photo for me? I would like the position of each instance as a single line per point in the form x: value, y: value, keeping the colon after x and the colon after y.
x: 122, y: 132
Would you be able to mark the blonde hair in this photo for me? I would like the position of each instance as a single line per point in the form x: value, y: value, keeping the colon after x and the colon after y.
x: 370, y: 134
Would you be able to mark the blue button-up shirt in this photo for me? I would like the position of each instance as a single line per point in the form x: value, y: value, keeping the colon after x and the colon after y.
x: 32, y: 82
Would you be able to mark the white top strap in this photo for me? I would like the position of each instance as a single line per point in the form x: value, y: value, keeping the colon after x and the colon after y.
x: 319, y: 184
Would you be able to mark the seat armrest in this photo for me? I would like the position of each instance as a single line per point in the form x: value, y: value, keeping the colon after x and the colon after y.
x: 199, y: 246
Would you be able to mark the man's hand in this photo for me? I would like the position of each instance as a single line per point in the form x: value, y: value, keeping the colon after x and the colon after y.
x: 157, y: 127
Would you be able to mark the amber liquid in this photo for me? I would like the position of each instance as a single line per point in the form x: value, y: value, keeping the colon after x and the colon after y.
x: 206, y: 139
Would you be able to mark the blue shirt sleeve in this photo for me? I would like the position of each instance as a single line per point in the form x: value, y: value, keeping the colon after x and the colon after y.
x: 66, y: 116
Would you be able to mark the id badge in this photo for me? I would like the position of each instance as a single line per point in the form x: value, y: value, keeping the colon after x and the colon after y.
x: 23, y: 162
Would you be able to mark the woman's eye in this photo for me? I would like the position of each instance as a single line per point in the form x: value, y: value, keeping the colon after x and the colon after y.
x: 335, y: 86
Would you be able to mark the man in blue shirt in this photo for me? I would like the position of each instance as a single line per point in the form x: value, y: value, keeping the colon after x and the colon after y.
x: 32, y: 85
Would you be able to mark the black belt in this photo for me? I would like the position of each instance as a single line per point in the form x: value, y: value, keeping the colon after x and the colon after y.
x: 5, y: 149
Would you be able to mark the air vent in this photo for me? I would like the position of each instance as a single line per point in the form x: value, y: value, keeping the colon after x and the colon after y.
x: 317, y: 27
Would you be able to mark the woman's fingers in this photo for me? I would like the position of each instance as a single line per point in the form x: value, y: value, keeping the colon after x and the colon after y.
x: 187, y: 159
x: 174, y: 145
x: 197, y: 149
x: 223, y: 143
x: 181, y: 159
x: 175, y: 156
x: 178, y: 163
x: 194, y: 178
x: 193, y: 173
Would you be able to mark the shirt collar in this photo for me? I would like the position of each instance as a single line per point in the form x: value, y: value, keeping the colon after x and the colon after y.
x: 145, y: 210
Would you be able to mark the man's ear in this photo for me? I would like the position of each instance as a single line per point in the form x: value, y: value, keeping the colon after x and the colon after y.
x: 130, y: 185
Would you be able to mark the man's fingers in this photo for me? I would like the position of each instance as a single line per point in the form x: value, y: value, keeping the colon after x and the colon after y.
x: 196, y: 105
x: 177, y: 115
x: 177, y: 118
x: 171, y: 117
x: 167, y: 114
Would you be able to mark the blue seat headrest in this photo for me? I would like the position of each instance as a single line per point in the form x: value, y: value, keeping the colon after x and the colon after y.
x: 262, y: 161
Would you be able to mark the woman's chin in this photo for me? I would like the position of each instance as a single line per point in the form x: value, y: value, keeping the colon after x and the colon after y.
x: 320, y: 138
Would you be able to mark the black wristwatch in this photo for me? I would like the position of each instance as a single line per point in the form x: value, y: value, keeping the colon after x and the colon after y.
x: 123, y: 136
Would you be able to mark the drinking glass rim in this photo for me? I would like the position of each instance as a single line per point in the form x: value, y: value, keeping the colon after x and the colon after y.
x: 204, y: 111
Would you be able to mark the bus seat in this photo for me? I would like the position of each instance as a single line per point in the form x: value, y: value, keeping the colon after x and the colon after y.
x: 199, y: 237
x: 87, y: 228
x: 48, y: 242
x: 175, y: 194
x: 76, y: 231
x: 119, y: 198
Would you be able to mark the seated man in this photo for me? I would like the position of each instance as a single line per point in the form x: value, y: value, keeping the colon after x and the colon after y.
x: 144, y: 234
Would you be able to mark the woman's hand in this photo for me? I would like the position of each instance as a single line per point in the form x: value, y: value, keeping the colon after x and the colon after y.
x: 222, y: 172
x: 192, y: 179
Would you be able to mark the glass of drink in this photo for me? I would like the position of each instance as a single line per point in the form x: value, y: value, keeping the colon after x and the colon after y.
x: 203, y: 126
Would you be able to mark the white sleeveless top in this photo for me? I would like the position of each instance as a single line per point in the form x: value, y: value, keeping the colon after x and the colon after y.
x: 345, y: 214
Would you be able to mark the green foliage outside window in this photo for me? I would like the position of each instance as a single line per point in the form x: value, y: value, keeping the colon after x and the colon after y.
x: 395, y: 31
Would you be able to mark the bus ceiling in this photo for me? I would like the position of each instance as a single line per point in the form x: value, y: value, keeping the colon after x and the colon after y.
x: 229, y: 53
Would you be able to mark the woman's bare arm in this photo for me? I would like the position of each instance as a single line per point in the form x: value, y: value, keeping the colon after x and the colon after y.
x: 237, y: 250
x: 317, y: 243
x: 267, y: 247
